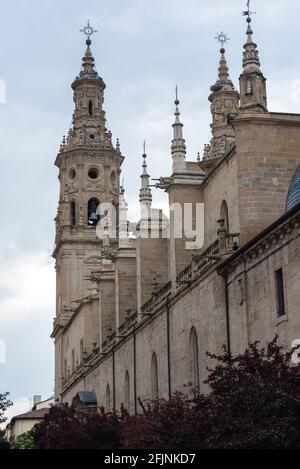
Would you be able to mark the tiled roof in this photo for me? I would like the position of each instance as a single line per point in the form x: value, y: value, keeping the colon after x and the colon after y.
x: 32, y: 415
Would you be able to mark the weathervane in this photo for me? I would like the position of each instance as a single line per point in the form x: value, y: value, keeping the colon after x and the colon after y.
x: 222, y: 38
x: 248, y: 12
x: 88, y: 30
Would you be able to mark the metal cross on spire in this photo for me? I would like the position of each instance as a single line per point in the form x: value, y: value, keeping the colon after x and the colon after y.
x: 222, y: 38
x: 88, y: 30
x: 248, y: 12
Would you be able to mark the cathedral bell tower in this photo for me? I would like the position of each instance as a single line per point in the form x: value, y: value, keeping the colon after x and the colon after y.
x: 89, y: 175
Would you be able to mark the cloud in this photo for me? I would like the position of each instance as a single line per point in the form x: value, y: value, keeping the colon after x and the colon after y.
x: 28, y: 287
x: 27, y: 305
x: 142, y: 50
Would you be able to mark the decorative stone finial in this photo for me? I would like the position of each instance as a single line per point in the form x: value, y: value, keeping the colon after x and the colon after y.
x: 178, y: 143
x: 88, y: 61
x: 118, y: 146
x: 251, y: 59
x: 252, y: 82
x: 145, y: 191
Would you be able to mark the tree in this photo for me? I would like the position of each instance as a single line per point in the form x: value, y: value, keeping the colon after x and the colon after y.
x: 24, y: 441
x: 65, y: 428
x: 254, y: 403
x: 255, y: 400
x: 5, y: 403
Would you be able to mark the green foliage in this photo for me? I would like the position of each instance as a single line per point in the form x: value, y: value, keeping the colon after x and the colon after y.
x: 24, y: 441
x: 5, y: 403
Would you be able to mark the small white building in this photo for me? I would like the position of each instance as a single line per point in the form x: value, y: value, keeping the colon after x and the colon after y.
x: 25, y: 422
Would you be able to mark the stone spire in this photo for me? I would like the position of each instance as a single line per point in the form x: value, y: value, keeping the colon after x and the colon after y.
x: 252, y: 82
x: 178, y: 143
x: 145, y: 191
x: 89, y: 122
x: 88, y: 64
x: 224, y: 100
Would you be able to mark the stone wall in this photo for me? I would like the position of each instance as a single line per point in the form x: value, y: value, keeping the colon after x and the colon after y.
x: 202, y: 305
x: 268, y: 147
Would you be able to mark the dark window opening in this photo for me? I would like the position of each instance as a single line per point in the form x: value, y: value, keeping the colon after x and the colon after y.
x: 279, y: 279
x: 194, y: 360
x: 93, y: 216
x: 81, y: 351
x: 154, y: 377
x: 127, y: 392
x: 73, y: 213
x: 225, y: 215
x: 93, y: 173
x: 91, y: 108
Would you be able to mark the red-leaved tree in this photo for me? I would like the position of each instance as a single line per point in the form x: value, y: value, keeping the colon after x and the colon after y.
x: 64, y: 428
x: 254, y: 402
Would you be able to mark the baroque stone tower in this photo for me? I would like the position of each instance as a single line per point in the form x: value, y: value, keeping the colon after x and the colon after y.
x: 89, y: 172
x: 224, y: 99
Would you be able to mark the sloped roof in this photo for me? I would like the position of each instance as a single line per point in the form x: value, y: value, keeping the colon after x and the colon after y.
x: 293, y: 197
x: 87, y: 398
x: 32, y: 415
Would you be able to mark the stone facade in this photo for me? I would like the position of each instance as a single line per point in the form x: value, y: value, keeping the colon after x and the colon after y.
x: 136, y: 316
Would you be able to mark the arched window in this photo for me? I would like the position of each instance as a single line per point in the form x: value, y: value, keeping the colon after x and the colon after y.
x: 225, y: 215
x: 194, y: 359
x: 91, y: 108
x: 73, y: 213
x: 108, y: 399
x: 127, y: 392
x: 154, y: 377
x: 93, y: 217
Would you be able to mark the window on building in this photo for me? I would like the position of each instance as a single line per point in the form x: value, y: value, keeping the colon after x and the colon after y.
x: 224, y: 214
x: 73, y: 360
x: 194, y: 359
x: 93, y: 216
x: 154, y: 377
x: 91, y: 108
x: 81, y: 351
x: 73, y: 213
x: 108, y: 399
x: 279, y: 279
x: 127, y: 391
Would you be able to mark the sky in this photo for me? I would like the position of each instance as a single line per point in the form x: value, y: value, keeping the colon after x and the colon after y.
x: 142, y: 50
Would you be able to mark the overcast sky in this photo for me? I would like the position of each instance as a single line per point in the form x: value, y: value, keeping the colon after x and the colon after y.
x: 143, y: 48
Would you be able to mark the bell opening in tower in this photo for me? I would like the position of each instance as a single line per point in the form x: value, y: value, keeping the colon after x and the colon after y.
x: 91, y: 108
x: 73, y: 213
x: 93, y: 216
